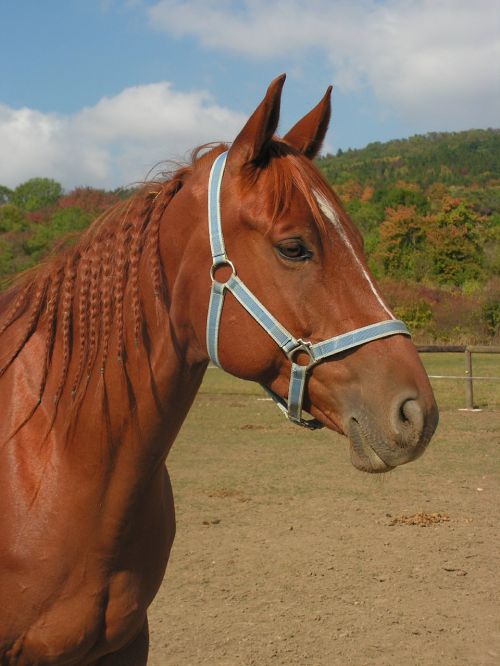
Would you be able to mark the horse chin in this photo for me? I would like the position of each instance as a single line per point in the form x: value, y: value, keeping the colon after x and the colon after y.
x: 363, y: 455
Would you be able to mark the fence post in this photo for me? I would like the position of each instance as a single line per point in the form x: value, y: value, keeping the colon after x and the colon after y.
x: 469, y: 397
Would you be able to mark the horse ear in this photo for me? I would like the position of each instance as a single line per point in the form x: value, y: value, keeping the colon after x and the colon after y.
x: 308, y: 134
x: 251, y: 142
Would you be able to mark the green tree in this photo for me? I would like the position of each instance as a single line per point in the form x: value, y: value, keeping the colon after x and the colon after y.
x: 491, y: 316
x: 62, y: 226
x: 6, y: 257
x: 37, y: 194
x: 417, y: 314
x: 12, y: 218
x: 401, y: 196
x: 367, y: 216
x: 5, y: 194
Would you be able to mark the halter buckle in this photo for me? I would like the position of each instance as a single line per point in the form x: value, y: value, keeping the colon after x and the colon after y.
x: 302, y: 346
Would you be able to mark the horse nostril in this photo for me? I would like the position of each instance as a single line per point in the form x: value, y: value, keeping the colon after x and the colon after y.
x: 408, y: 422
x: 412, y: 413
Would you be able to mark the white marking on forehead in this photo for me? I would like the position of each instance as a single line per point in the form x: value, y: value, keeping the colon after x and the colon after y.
x: 331, y: 215
x: 328, y: 211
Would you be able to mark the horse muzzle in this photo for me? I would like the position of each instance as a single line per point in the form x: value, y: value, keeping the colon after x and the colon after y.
x: 402, y: 436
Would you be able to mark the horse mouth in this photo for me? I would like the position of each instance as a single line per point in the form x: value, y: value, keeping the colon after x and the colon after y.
x: 363, y: 455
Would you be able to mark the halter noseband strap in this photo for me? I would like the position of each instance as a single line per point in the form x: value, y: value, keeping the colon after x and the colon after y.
x: 291, y: 346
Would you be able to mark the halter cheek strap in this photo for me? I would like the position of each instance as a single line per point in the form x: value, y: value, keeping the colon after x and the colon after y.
x: 290, y: 346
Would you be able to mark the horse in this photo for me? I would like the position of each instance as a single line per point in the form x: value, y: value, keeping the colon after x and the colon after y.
x: 244, y: 256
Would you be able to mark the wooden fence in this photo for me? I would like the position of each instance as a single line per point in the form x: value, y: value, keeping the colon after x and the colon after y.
x: 468, y: 377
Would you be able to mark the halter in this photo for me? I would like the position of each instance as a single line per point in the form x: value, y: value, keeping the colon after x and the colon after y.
x: 291, y: 346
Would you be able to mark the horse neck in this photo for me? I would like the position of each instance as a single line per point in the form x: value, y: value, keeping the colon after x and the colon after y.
x: 146, y: 392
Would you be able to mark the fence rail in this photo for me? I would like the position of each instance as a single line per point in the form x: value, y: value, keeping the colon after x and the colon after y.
x: 469, y: 378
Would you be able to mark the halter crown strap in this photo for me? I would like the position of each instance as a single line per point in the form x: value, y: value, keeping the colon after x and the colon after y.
x: 214, y: 215
x: 290, y: 345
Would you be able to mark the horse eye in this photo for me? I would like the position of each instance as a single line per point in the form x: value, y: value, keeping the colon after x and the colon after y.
x: 294, y: 250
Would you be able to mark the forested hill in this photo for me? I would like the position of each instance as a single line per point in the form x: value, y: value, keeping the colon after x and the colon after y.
x: 428, y: 208
x: 429, y: 211
x: 452, y: 158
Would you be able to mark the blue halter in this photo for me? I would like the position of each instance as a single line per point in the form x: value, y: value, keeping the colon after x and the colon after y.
x: 285, y: 340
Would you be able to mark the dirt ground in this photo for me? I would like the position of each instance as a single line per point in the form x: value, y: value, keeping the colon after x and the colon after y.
x: 285, y: 554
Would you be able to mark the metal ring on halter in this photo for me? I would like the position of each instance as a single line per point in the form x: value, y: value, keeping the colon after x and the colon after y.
x: 215, y: 266
x: 305, y: 347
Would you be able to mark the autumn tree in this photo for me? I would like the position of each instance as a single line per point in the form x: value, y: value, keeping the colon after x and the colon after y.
x: 402, y: 248
x: 89, y: 199
x: 456, y: 244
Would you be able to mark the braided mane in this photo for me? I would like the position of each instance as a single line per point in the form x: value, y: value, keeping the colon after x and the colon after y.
x: 85, y: 285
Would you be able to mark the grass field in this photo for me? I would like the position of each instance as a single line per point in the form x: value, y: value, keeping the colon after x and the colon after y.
x: 450, y: 394
x: 285, y: 554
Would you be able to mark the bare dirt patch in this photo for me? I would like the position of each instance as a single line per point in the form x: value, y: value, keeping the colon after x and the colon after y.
x: 286, y: 555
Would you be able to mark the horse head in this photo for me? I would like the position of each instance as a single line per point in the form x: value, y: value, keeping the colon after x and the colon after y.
x: 287, y: 241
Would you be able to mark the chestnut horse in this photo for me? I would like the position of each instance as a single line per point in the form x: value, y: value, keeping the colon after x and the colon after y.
x: 104, y: 346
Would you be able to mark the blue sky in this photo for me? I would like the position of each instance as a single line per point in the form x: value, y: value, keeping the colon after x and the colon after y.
x: 95, y: 92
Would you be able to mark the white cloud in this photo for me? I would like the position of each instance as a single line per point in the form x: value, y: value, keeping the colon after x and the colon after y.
x: 116, y: 141
x: 429, y: 60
